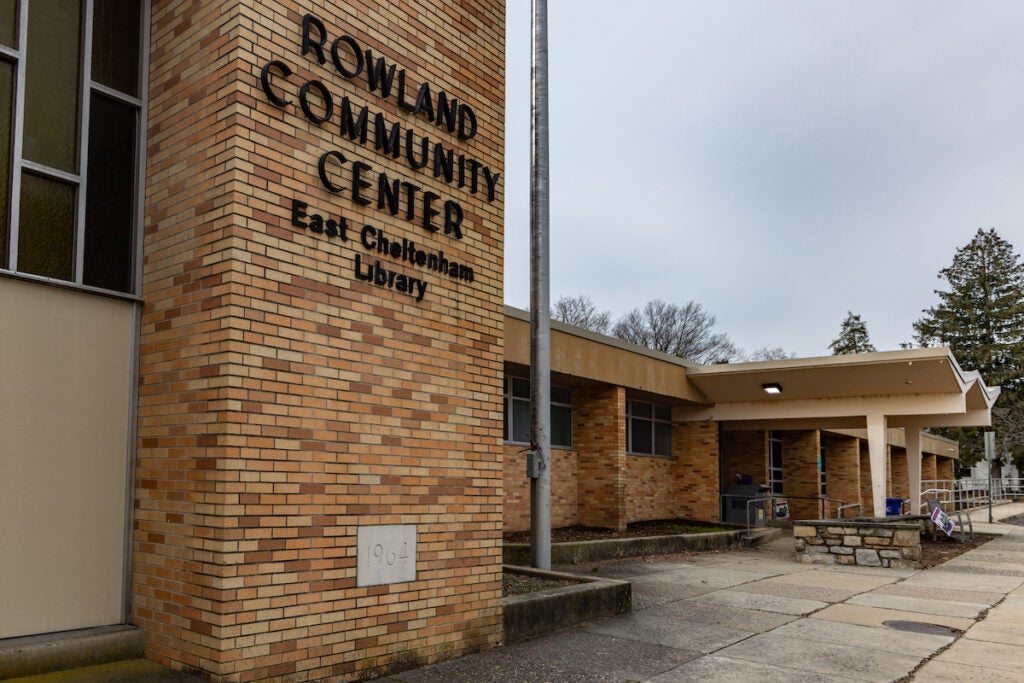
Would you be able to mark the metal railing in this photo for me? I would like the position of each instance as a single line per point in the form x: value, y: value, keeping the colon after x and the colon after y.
x: 952, y: 494
x: 769, y: 508
x: 843, y: 508
x: 966, y: 494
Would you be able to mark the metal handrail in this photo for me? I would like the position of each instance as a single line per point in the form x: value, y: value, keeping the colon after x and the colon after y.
x: 839, y: 511
x: 782, y: 496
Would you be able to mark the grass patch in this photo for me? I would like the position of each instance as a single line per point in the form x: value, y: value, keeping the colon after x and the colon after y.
x: 518, y: 584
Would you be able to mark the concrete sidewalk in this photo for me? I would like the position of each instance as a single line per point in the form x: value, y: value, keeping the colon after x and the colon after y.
x: 758, y: 615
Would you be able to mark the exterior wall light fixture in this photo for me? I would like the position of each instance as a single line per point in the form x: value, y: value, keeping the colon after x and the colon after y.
x: 772, y: 388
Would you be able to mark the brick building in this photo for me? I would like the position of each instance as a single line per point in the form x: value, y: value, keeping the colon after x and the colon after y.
x: 251, y: 329
x: 253, y: 350
x: 638, y: 435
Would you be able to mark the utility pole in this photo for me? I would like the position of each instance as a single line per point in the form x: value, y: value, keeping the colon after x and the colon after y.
x: 990, y: 456
x: 539, y: 467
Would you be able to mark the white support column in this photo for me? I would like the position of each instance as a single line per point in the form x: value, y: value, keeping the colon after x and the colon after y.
x: 877, y: 451
x: 914, y: 467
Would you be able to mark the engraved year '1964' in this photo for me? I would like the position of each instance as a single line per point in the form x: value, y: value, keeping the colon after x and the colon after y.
x: 377, y: 554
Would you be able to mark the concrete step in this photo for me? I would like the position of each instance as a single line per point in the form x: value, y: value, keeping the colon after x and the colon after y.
x: 32, y: 655
x: 126, y: 671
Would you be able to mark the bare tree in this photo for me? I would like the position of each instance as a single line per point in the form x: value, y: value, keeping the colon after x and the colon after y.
x: 684, y: 331
x: 581, y: 312
x: 773, y: 353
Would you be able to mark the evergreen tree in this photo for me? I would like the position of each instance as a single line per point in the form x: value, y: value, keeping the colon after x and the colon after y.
x: 853, y: 337
x: 981, y: 317
x: 981, y: 320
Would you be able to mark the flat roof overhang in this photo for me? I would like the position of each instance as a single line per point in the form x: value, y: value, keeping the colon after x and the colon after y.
x: 916, y: 388
x: 930, y: 443
x: 913, y: 388
x: 591, y: 357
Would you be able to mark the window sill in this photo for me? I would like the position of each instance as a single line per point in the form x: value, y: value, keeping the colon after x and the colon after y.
x: 74, y: 286
x: 523, y: 443
x: 651, y: 455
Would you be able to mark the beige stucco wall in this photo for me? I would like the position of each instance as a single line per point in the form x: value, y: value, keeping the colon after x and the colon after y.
x: 65, y: 373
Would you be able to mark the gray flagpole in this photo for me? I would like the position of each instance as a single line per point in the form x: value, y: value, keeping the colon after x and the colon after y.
x: 540, y: 299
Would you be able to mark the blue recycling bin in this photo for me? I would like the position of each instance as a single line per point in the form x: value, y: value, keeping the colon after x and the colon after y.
x: 893, y: 506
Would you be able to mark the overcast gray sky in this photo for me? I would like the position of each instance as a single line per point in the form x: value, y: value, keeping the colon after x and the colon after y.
x: 780, y: 162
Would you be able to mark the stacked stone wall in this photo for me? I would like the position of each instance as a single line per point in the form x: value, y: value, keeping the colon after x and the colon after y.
x: 866, y: 544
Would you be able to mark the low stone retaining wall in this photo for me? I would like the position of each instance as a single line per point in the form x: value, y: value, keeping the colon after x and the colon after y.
x: 586, y: 599
x: 581, y: 552
x: 868, y: 543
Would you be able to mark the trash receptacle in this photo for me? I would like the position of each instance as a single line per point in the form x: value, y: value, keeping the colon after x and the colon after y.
x: 893, y: 506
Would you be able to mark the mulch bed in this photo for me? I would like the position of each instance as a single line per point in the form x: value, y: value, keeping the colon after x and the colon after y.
x: 517, y: 584
x: 934, y: 553
x: 666, y: 527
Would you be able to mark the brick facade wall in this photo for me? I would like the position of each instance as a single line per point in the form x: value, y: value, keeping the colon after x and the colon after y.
x: 800, y: 473
x: 599, y: 434
x: 744, y: 452
x: 695, y: 444
x: 888, y: 472
x: 900, y: 484
x: 651, y: 488
x: 564, y: 485
x: 285, y: 403
x: 944, y: 468
x: 684, y: 486
x: 842, y: 470
x: 928, y: 471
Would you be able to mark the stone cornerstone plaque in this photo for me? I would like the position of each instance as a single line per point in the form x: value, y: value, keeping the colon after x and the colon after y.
x: 386, y: 554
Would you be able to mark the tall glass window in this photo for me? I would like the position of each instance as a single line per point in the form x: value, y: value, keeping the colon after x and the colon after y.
x: 6, y: 109
x: 71, y: 85
x: 822, y: 467
x: 648, y: 428
x: 775, y: 462
x: 517, y: 413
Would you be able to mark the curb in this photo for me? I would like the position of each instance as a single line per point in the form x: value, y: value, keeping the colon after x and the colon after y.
x: 31, y: 655
x: 543, y: 612
x: 578, y: 552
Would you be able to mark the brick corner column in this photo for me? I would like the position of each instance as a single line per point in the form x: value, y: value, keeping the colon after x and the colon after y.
x: 599, y: 415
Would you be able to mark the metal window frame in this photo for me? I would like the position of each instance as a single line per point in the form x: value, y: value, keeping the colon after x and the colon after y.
x: 79, y: 180
x: 145, y: 21
x: 653, y: 420
x: 509, y: 401
x: 823, y: 471
x: 17, y: 133
x: 18, y: 166
x: 772, y: 481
